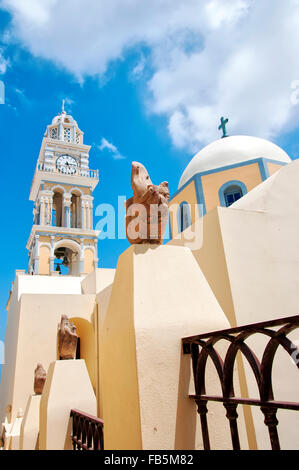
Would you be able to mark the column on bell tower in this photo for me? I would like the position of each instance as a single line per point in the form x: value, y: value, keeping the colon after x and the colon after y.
x: 91, y: 214
x: 36, y: 255
x: 52, y: 255
x: 41, y: 209
x: 87, y: 212
x: 36, y: 214
x: 46, y: 207
x: 83, y: 213
x: 67, y: 202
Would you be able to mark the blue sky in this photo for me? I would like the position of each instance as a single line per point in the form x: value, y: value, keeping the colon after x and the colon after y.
x: 153, y: 80
x: 34, y: 92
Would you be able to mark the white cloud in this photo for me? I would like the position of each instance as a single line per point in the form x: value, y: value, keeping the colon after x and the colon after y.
x: 138, y: 70
x: 4, y: 63
x: 244, y: 72
x: 208, y: 58
x: 69, y: 101
x: 112, y: 149
x: 34, y: 12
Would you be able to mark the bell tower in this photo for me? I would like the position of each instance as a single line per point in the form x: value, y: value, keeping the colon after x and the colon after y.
x: 62, y: 239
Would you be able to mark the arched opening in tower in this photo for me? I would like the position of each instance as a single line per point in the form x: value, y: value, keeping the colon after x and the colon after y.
x: 62, y: 261
x: 76, y: 210
x: 57, y: 209
x: 67, y: 261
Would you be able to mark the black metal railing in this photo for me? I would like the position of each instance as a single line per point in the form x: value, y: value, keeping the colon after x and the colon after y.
x: 87, y: 431
x: 202, y: 347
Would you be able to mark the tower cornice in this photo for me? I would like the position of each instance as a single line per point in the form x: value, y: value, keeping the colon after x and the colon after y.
x: 64, y: 232
x: 60, y: 145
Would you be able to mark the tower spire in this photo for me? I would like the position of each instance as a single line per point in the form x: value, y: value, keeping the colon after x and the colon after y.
x: 63, y: 104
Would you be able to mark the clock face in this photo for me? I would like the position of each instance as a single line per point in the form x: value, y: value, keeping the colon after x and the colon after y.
x: 67, y: 164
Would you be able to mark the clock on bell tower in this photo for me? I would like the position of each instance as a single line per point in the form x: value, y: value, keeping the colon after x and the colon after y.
x: 62, y: 239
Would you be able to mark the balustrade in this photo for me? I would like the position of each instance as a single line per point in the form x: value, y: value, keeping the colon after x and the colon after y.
x: 202, y: 347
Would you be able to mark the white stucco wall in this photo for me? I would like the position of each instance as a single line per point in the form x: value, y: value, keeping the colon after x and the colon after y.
x: 26, y: 284
x: 250, y: 258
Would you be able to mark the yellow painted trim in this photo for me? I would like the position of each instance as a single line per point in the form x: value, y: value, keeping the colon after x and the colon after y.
x: 273, y: 168
x: 249, y: 175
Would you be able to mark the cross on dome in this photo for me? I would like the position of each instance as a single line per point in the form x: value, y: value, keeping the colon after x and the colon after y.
x: 223, y: 127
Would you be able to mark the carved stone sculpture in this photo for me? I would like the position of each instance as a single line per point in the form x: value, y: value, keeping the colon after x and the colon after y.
x: 147, y: 211
x: 67, y: 339
x: 40, y: 376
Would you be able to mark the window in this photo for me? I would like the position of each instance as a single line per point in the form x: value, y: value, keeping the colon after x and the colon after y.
x: 232, y: 194
x: 184, y: 218
x: 67, y: 134
x: 54, y: 133
x: 78, y: 137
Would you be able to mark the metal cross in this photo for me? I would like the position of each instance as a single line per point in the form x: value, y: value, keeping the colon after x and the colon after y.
x: 223, y: 127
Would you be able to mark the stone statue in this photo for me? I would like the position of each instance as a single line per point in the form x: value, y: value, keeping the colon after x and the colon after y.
x: 40, y: 376
x: 67, y: 339
x: 147, y: 211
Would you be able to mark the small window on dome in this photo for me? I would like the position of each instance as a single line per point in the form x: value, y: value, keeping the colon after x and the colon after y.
x: 67, y: 134
x: 54, y: 133
x: 232, y: 194
x: 231, y: 191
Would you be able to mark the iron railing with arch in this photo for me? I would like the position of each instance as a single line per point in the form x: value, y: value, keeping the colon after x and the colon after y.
x: 202, y: 347
x: 87, y: 431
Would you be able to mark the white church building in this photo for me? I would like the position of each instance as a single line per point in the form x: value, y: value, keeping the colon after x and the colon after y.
x: 187, y: 345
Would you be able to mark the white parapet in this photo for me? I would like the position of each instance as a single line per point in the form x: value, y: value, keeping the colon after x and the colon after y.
x: 30, y: 424
x: 159, y: 296
x: 67, y: 387
x: 12, y: 432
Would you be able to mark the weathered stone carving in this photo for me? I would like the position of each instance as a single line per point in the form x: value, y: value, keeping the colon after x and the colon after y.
x: 40, y: 376
x: 147, y: 210
x: 67, y: 339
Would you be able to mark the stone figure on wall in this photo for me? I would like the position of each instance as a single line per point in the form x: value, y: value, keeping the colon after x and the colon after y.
x: 40, y: 376
x: 67, y: 339
x: 147, y: 211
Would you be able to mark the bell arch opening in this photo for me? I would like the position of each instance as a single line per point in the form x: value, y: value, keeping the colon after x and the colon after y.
x: 231, y: 192
x: 67, y: 258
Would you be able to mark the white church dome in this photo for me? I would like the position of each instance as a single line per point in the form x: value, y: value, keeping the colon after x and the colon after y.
x: 231, y: 151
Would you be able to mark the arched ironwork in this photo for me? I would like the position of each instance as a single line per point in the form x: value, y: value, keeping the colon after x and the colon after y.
x: 202, y: 347
x: 87, y: 431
